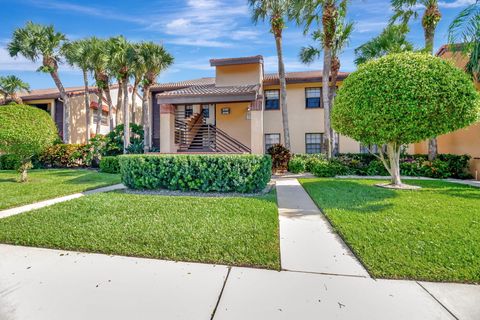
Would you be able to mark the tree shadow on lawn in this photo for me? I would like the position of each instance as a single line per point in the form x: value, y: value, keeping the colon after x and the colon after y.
x: 448, y: 189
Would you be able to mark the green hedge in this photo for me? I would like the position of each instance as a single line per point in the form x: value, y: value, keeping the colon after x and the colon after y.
x: 9, y: 162
x: 206, y: 173
x: 445, y: 166
x: 110, y: 165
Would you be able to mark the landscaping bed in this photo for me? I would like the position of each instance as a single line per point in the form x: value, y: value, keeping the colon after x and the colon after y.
x: 236, y: 230
x: 47, y: 184
x: 427, y: 234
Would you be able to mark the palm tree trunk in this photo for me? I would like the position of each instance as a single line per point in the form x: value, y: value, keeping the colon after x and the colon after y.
x: 327, y: 61
x: 99, y: 110
x: 118, y: 114
x: 110, y: 108
x: 134, y: 93
x: 335, y: 68
x: 87, y: 106
x: 126, y: 117
x: 283, y: 90
x: 146, y: 118
x: 66, y: 105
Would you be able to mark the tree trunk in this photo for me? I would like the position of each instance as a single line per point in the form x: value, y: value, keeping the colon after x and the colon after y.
x: 110, y: 108
x: 335, y: 68
x: 393, y: 151
x: 283, y: 89
x: 87, y: 106
x: 432, y: 149
x: 99, y: 110
x: 146, y: 118
x: 66, y: 105
x: 24, y: 166
x: 126, y: 117
x: 134, y: 93
x: 327, y: 61
x: 118, y: 118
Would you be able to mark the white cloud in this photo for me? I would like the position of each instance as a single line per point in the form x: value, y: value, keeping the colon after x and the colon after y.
x: 369, y: 26
x: 8, y: 63
x: 455, y: 4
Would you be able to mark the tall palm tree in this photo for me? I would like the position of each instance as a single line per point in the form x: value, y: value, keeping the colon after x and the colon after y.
x: 465, y: 28
x: 156, y: 59
x: 393, y: 39
x: 11, y: 85
x: 324, y: 15
x: 405, y: 10
x: 137, y: 62
x: 276, y: 11
x: 79, y: 53
x: 121, y: 55
x: 38, y: 42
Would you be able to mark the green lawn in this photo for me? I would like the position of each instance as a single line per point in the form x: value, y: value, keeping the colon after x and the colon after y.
x: 47, y: 184
x: 237, y: 231
x: 428, y: 234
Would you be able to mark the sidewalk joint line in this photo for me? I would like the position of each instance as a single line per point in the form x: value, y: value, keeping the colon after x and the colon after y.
x: 221, y: 293
x: 438, y: 301
x: 329, y: 274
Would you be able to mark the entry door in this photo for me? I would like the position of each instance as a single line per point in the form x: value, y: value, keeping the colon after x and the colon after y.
x: 209, y: 113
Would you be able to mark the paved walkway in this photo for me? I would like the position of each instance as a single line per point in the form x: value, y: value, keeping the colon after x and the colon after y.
x: 321, y: 279
x: 46, y: 203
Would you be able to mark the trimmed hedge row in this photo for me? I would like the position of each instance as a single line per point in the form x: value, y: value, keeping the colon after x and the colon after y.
x: 110, y: 164
x: 445, y: 166
x: 206, y: 173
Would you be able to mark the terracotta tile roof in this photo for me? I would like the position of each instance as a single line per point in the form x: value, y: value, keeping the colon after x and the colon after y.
x: 449, y: 48
x: 53, y: 93
x: 182, y: 84
x: 299, y: 77
x: 236, y: 61
x: 210, y: 90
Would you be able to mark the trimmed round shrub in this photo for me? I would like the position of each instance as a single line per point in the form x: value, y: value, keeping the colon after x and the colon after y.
x: 110, y: 165
x: 296, y: 165
x: 280, y: 157
x: 25, y: 131
x: 404, y: 98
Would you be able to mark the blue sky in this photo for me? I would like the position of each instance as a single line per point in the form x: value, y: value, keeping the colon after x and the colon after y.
x: 192, y: 30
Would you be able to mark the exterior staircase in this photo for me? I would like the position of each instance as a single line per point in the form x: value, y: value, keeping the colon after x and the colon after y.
x: 193, y: 134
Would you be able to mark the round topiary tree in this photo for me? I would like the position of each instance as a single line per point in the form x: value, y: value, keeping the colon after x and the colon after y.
x: 24, y: 132
x: 401, y: 99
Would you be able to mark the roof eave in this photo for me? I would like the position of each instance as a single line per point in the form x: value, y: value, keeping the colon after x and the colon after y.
x: 195, y: 99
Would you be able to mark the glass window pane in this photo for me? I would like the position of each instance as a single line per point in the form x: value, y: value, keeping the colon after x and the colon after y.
x: 313, y: 142
x: 313, y: 92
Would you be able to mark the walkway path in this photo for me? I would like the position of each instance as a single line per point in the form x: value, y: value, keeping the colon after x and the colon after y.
x: 324, y: 281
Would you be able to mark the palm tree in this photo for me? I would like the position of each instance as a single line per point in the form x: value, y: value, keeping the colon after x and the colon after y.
x: 38, y: 42
x: 138, y: 70
x: 343, y: 31
x: 121, y: 55
x: 465, y: 28
x: 276, y: 11
x: 406, y: 9
x: 78, y: 53
x: 156, y: 59
x: 393, y: 39
x: 325, y: 15
x: 11, y: 85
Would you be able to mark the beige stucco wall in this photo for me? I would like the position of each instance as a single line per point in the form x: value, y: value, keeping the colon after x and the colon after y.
x: 239, y: 74
x: 301, y: 120
x: 236, y: 123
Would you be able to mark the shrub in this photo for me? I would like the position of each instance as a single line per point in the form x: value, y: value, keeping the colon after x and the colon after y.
x: 64, y: 156
x: 206, y: 173
x: 24, y: 132
x: 404, y: 98
x: 110, y: 165
x: 9, y: 162
x: 280, y: 157
x: 114, y: 140
x: 297, y: 165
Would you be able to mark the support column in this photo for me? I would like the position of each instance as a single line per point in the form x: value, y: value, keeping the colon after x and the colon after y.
x: 256, y: 126
x: 167, y: 128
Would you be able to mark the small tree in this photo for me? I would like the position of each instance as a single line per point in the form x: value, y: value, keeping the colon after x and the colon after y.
x: 404, y: 98
x: 25, y: 132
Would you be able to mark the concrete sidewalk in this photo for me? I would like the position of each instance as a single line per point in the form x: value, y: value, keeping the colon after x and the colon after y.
x: 44, y: 284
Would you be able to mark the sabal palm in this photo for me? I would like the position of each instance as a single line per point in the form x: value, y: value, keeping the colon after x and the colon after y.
x: 324, y: 16
x: 404, y: 10
x: 11, y: 85
x: 275, y: 11
x: 120, y: 53
x: 393, y: 39
x: 137, y: 66
x: 37, y: 42
x: 155, y: 60
x: 78, y: 53
x: 465, y: 28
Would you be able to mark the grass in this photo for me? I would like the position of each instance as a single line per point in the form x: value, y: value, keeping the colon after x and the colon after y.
x: 428, y: 234
x: 47, y: 184
x: 235, y: 231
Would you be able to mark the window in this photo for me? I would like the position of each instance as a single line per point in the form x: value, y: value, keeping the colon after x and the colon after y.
x: 188, y: 111
x: 206, y: 111
x: 103, y: 119
x: 312, y: 98
x: 365, y: 149
x: 313, y: 142
x: 272, y: 100
x: 271, y: 139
